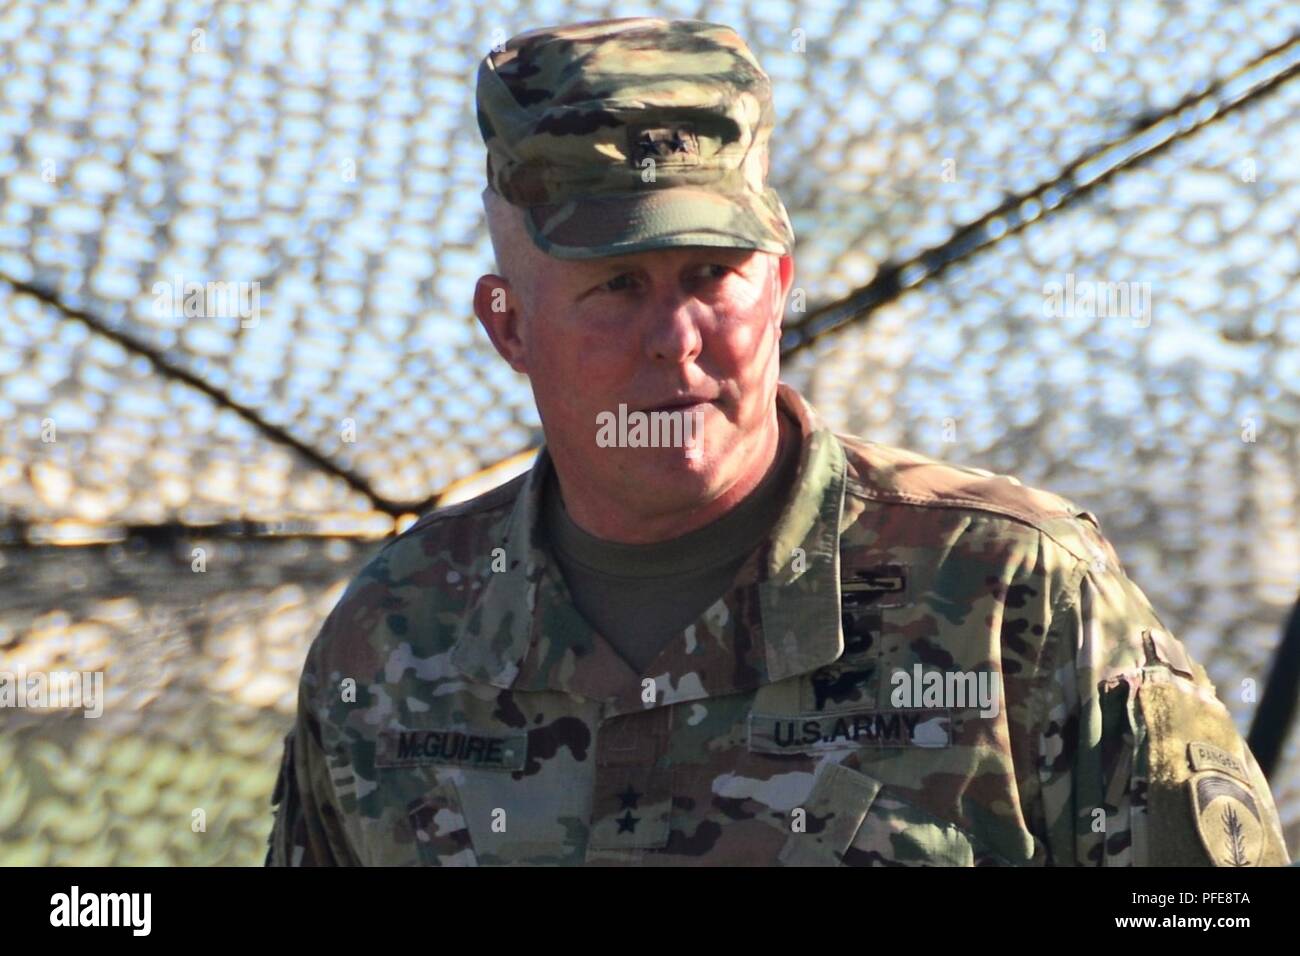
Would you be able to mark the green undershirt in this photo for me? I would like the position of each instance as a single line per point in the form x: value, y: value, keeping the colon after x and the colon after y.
x: 640, y: 596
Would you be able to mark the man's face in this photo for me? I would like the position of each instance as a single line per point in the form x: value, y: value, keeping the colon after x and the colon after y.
x: 694, y: 329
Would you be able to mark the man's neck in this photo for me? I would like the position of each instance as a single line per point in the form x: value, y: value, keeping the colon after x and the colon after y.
x: 617, y: 522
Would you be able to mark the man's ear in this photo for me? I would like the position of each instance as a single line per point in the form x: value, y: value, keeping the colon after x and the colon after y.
x: 499, y: 311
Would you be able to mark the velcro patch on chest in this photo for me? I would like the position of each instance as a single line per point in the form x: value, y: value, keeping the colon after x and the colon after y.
x: 820, y: 732
x: 464, y: 748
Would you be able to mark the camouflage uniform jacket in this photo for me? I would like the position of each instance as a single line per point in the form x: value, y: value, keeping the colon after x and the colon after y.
x: 457, y: 710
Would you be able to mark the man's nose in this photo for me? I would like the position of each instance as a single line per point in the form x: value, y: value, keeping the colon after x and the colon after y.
x: 673, y: 332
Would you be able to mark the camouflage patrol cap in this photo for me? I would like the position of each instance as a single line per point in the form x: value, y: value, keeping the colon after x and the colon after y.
x: 619, y: 136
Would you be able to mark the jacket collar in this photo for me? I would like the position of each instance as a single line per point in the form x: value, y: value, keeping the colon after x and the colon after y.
x: 522, y: 630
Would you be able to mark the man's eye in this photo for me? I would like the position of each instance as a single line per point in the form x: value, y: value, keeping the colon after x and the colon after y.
x: 714, y: 270
x: 619, y: 283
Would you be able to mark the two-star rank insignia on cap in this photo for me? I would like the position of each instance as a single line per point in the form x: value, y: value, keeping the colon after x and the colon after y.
x: 670, y: 145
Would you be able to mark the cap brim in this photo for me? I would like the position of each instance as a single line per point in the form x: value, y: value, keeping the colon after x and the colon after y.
x: 660, y: 219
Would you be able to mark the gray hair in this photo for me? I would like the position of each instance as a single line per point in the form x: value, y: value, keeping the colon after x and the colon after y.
x: 517, y: 258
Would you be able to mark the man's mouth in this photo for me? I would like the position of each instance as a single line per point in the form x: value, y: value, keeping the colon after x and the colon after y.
x: 686, y: 403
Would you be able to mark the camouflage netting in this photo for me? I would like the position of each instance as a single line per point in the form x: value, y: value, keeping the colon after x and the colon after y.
x: 328, y: 151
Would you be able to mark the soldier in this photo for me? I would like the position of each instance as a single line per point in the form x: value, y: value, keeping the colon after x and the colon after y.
x: 704, y: 628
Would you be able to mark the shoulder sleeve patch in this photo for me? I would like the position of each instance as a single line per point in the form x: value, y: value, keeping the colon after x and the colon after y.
x: 1205, y: 756
x: 1200, y: 782
x: 1228, y: 819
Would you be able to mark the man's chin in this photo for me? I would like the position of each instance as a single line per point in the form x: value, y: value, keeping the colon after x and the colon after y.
x: 686, y: 473
x: 686, y: 463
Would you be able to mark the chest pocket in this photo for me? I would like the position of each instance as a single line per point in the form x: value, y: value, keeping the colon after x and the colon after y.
x: 421, y: 808
x: 438, y: 826
x: 529, y: 807
x: 852, y: 820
